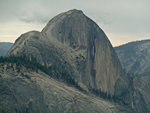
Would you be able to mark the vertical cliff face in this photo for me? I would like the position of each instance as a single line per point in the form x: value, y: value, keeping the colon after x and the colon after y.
x: 74, y: 29
x: 73, y: 42
x: 69, y: 28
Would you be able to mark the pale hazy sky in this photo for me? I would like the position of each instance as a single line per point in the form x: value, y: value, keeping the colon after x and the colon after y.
x: 121, y: 20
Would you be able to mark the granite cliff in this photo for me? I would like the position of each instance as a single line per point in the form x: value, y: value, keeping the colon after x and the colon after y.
x: 73, y: 42
x: 71, y: 48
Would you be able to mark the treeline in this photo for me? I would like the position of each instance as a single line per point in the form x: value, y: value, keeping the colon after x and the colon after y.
x: 56, y: 73
x: 32, y: 63
x: 21, y: 61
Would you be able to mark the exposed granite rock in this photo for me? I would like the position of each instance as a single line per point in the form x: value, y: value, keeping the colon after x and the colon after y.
x: 75, y: 43
x: 28, y: 91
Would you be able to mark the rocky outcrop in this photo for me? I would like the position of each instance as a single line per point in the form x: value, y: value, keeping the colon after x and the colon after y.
x: 134, y: 57
x: 26, y: 91
x: 73, y: 42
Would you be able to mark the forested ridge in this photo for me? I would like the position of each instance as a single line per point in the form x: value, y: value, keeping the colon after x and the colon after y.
x: 56, y: 73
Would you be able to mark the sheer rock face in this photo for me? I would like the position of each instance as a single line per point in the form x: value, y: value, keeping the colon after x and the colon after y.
x: 73, y: 42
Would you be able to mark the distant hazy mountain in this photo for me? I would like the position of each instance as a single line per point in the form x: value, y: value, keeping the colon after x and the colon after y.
x: 4, y: 47
x: 135, y: 57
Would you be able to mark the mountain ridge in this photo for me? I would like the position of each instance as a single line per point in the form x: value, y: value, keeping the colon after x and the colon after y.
x: 77, y: 43
x: 78, y: 48
x: 134, y: 57
x: 36, y: 91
